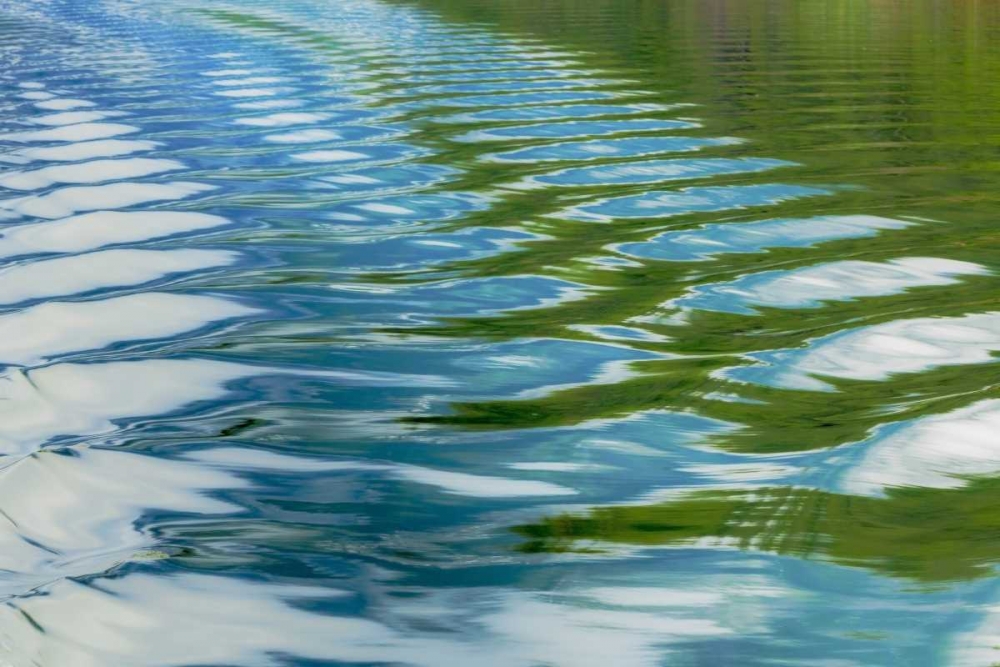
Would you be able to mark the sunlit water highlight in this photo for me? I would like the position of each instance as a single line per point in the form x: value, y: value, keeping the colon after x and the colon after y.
x: 460, y: 332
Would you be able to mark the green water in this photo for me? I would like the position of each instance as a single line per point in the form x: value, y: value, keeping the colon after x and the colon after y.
x: 891, y: 108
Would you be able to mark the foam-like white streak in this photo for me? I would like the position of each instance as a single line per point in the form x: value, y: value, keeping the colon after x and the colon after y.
x: 95, y: 171
x: 64, y: 104
x: 81, y: 132
x: 90, y: 231
x: 933, y: 452
x: 248, y: 81
x: 70, y: 399
x: 559, y: 466
x: 227, y: 72
x: 741, y: 473
x: 272, y: 103
x: 977, y: 647
x: 303, y: 136
x: 86, y: 150
x: 247, y: 92
x: 836, y: 281
x: 77, y: 274
x: 282, y: 119
x: 85, y: 399
x: 462, y: 484
x: 708, y: 241
x: 31, y: 335
x: 656, y: 597
x: 70, y: 200
x: 69, y: 515
x: 479, y: 486
x: 145, y: 620
x: 74, y: 117
x: 329, y: 156
x: 880, y: 351
x: 36, y: 95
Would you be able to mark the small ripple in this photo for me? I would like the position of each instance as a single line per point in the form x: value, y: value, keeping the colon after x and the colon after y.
x: 610, y: 148
x: 811, y: 286
x: 79, y: 132
x: 708, y: 241
x: 36, y: 334
x: 282, y: 119
x: 939, y: 452
x: 688, y: 200
x: 74, y: 117
x: 79, y: 274
x: 91, y: 231
x: 574, y: 129
x: 85, y: 399
x: 454, y: 483
x: 96, y: 171
x: 879, y: 351
x: 514, y: 114
x: 67, y: 201
x: 84, y: 150
x: 655, y: 171
x: 64, y: 104
x: 385, y: 152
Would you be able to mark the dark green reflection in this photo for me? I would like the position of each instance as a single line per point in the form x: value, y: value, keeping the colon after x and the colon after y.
x: 888, y: 111
x: 923, y: 534
x: 766, y: 420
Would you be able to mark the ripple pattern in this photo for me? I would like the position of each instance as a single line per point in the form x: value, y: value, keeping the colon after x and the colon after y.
x: 421, y: 332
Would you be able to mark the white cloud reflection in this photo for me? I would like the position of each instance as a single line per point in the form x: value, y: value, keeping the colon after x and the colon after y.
x: 146, y: 620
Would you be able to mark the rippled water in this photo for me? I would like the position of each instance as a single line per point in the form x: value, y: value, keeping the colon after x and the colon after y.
x: 463, y: 332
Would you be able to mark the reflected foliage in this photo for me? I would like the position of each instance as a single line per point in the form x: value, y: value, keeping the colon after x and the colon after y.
x: 932, y: 536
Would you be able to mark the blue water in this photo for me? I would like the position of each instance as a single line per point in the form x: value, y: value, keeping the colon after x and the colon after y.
x: 247, y: 247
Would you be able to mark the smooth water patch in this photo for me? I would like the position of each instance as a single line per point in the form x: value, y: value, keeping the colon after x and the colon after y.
x: 35, y: 334
x: 609, y: 148
x: 654, y: 171
x: 81, y: 132
x: 353, y: 153
x: 85, y: 399
x: 90, y: 231
x: 282, y: 119
x: 689, y: 200
x: 396, y: 253
x: 579, y: 628
x: 878, y: 352
x: 460, y: 484
x: 712, y: 240
x: 103, y: 269
x: 409, y: 306
x: 85, y: 150
x: 95, y: 171
x: 520, y: 85
x: 67, y: 201
x: 574, y: 129
x: 812, y: 286
x: 943, y: 451
x: 305, y: 328
x: 545, y: 112
x: 74, y: 512
x: 269, y: 103
x: 74, y: 117
x: 64, y: 104
x: 491, y: 75
x: 305, y: 136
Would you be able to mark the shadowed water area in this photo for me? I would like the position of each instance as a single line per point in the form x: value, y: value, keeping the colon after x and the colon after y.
x: 502, y: 333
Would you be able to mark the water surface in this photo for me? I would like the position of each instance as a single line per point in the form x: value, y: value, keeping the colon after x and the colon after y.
x: 462, y: 332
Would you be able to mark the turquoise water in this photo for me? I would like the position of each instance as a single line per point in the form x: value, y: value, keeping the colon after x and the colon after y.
x: 455, y: 332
